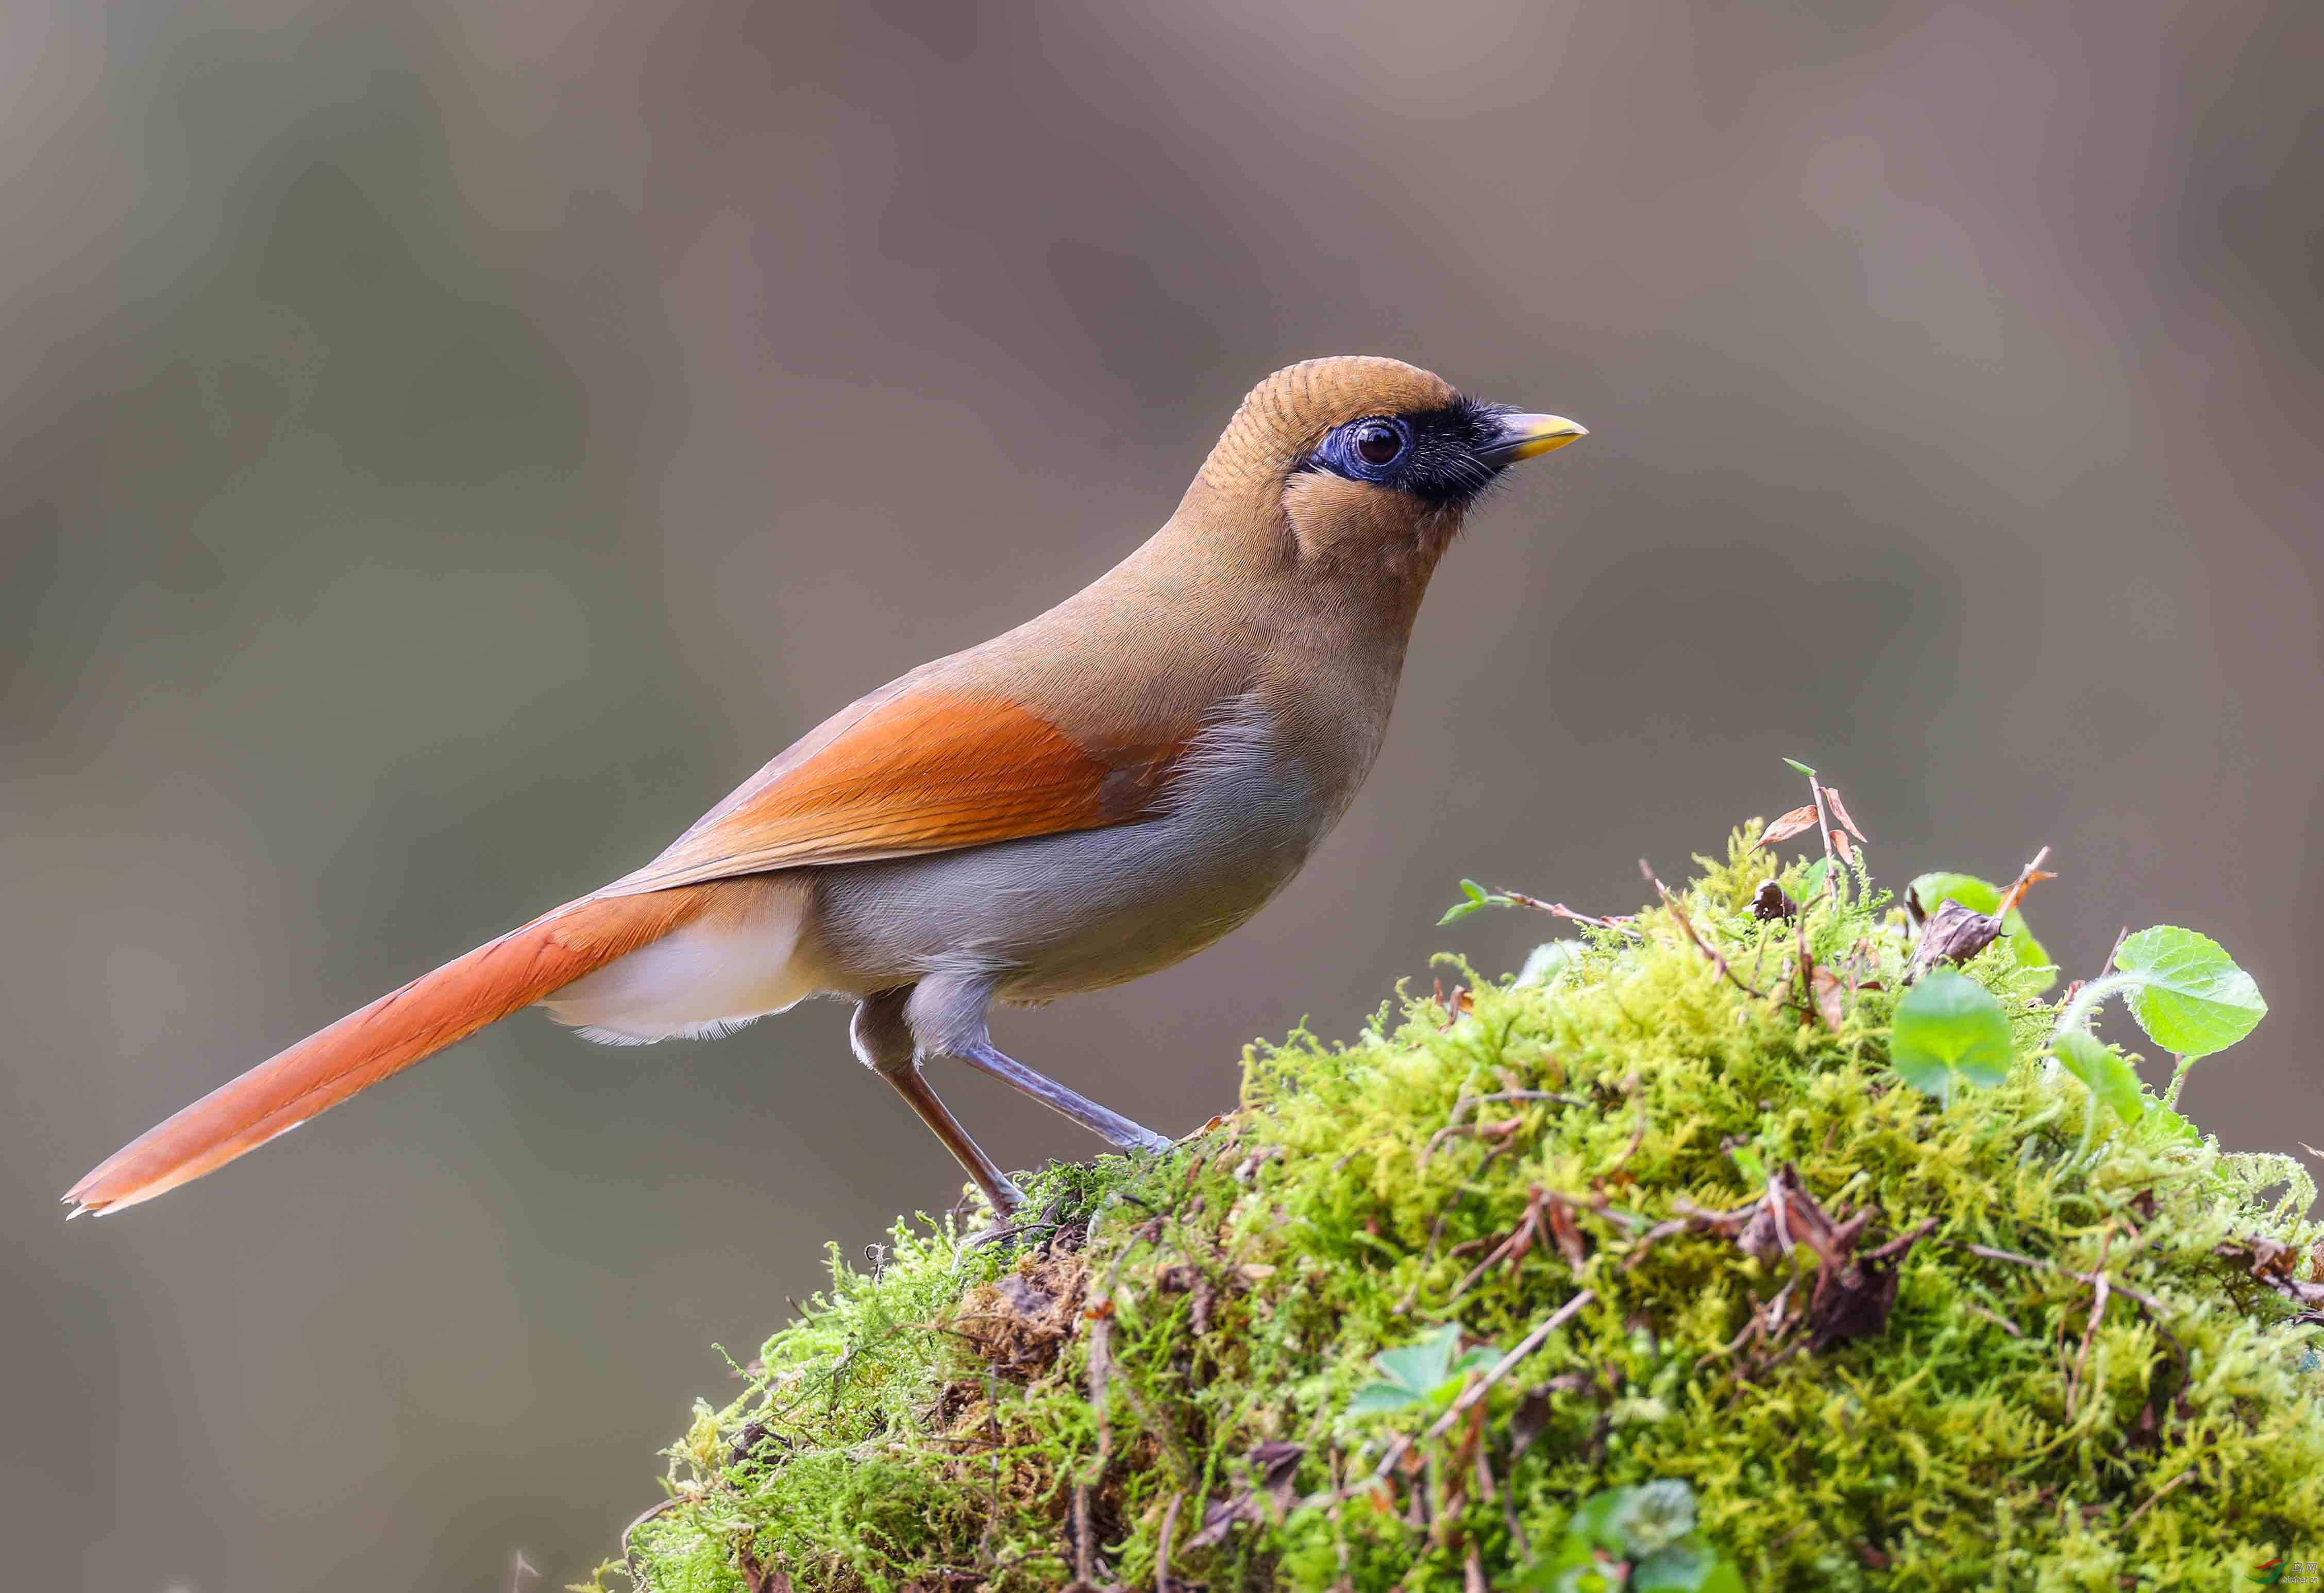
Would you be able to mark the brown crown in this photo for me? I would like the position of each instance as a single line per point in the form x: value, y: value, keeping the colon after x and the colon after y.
x: 1289, y: 414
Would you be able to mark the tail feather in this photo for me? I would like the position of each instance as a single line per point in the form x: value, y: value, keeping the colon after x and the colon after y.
x: 401, y: 1027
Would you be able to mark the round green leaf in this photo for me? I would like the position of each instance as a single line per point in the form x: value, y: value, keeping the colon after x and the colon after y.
x: 1978, y: 896
x: 1679, y: 1567
x: 1596, y: 1525
x: 1947, y: 1028
x: 2191, y: 998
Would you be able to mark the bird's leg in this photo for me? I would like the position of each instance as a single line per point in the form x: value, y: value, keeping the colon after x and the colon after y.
x: 1108, y: 1126
x: 885, y: 1046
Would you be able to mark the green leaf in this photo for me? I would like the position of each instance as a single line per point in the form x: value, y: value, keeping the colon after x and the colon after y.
x: 1475, y: 892
x: 1802, y: 768
x: 1458, y: 911
x: 1475, y: 1361
x: 1654, y: 1514
x: 1747, y: 1163
x: 2110, y: 1077
x: 1948, y: 1028
x: 1571, y: 1572
x: 1812, y: 880
x: 1680, y: 1568
x: 1983, y: 896
x: 2191, y: 997
x: 2173, y: 1124
x: 1978, y: 896
x: 1595, y: 1525
x: 1423, y: 1364
x: 1373, y: 1398
x: 1726, y: 1577
x: 1425, y: 1371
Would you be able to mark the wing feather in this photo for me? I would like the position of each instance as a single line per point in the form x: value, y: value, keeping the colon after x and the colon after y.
x: 912, y: 769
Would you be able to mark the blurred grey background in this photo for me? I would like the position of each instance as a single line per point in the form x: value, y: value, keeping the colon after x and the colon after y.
x: 445, y: 448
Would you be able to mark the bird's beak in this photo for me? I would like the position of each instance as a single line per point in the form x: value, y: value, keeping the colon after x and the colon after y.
x: 1523, y: 436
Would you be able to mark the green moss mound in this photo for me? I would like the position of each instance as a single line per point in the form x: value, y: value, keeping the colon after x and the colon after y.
x: 1869, y: 1341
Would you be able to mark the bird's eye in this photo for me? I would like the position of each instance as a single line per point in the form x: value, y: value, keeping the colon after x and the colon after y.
x: 1378, y: 442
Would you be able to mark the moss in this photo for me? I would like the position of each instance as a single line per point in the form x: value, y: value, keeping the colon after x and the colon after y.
x: 1169, y: 1346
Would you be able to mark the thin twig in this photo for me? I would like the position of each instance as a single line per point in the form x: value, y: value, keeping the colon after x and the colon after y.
x: 1997, y: 1320
x: 2025, y: 881
x: 2159, y: 1496
x: 1686, y: 925
x: 1499, y: 1096
x: 1477, y: 1391
x: 1823, y: 832
x: 1437, y: 1233
x: 2099, y: 1290
x: 1560, y: 910
x: 1902, y: 1242
x: 1162, y: 1546
x: 648, y: 1514
x: 1082, y: 1534
x: 1638, y: 1134
x: 1990, y: 1253
x: 1527, y: 1232
x: 1099, y: 1366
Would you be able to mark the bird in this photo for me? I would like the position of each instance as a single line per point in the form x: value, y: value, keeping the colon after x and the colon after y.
x: 1091, y: 796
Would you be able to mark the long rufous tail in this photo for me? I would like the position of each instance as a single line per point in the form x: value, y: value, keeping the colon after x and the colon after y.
x: 404, y: 1026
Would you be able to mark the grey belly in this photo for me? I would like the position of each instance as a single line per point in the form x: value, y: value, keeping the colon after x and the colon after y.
x: 1060, y: 914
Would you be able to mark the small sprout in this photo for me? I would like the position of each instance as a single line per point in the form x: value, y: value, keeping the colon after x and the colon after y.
x: 2111, y: 1079
x: 1802, y: 768
x: 1655, y: 1514
x: 1425, y: 1373
x: 1642, y: 1539
x: 1812, y: 881
x: 1949, y: 1030
x: 1476, y: 896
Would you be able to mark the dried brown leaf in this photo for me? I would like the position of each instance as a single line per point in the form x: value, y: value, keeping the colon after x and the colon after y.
x: 1830, y: 997
x: 1565, y: 1228
x: 2275, y: 1264
x: 1953, y: 935
x: 1797, y: 822
x: 1839, y: 812
x: 1269, y: 1494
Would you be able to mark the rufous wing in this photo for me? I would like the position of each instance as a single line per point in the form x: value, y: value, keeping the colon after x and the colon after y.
x: 913, y: 770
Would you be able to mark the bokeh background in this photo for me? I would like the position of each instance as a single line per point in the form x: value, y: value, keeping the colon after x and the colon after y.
x: 444, y: 449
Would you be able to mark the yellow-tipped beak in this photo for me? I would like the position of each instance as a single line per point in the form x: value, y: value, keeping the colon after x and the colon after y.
x: 1526, y: 437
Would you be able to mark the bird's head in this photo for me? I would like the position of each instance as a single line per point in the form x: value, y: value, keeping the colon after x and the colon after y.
x: 1368, y: 462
